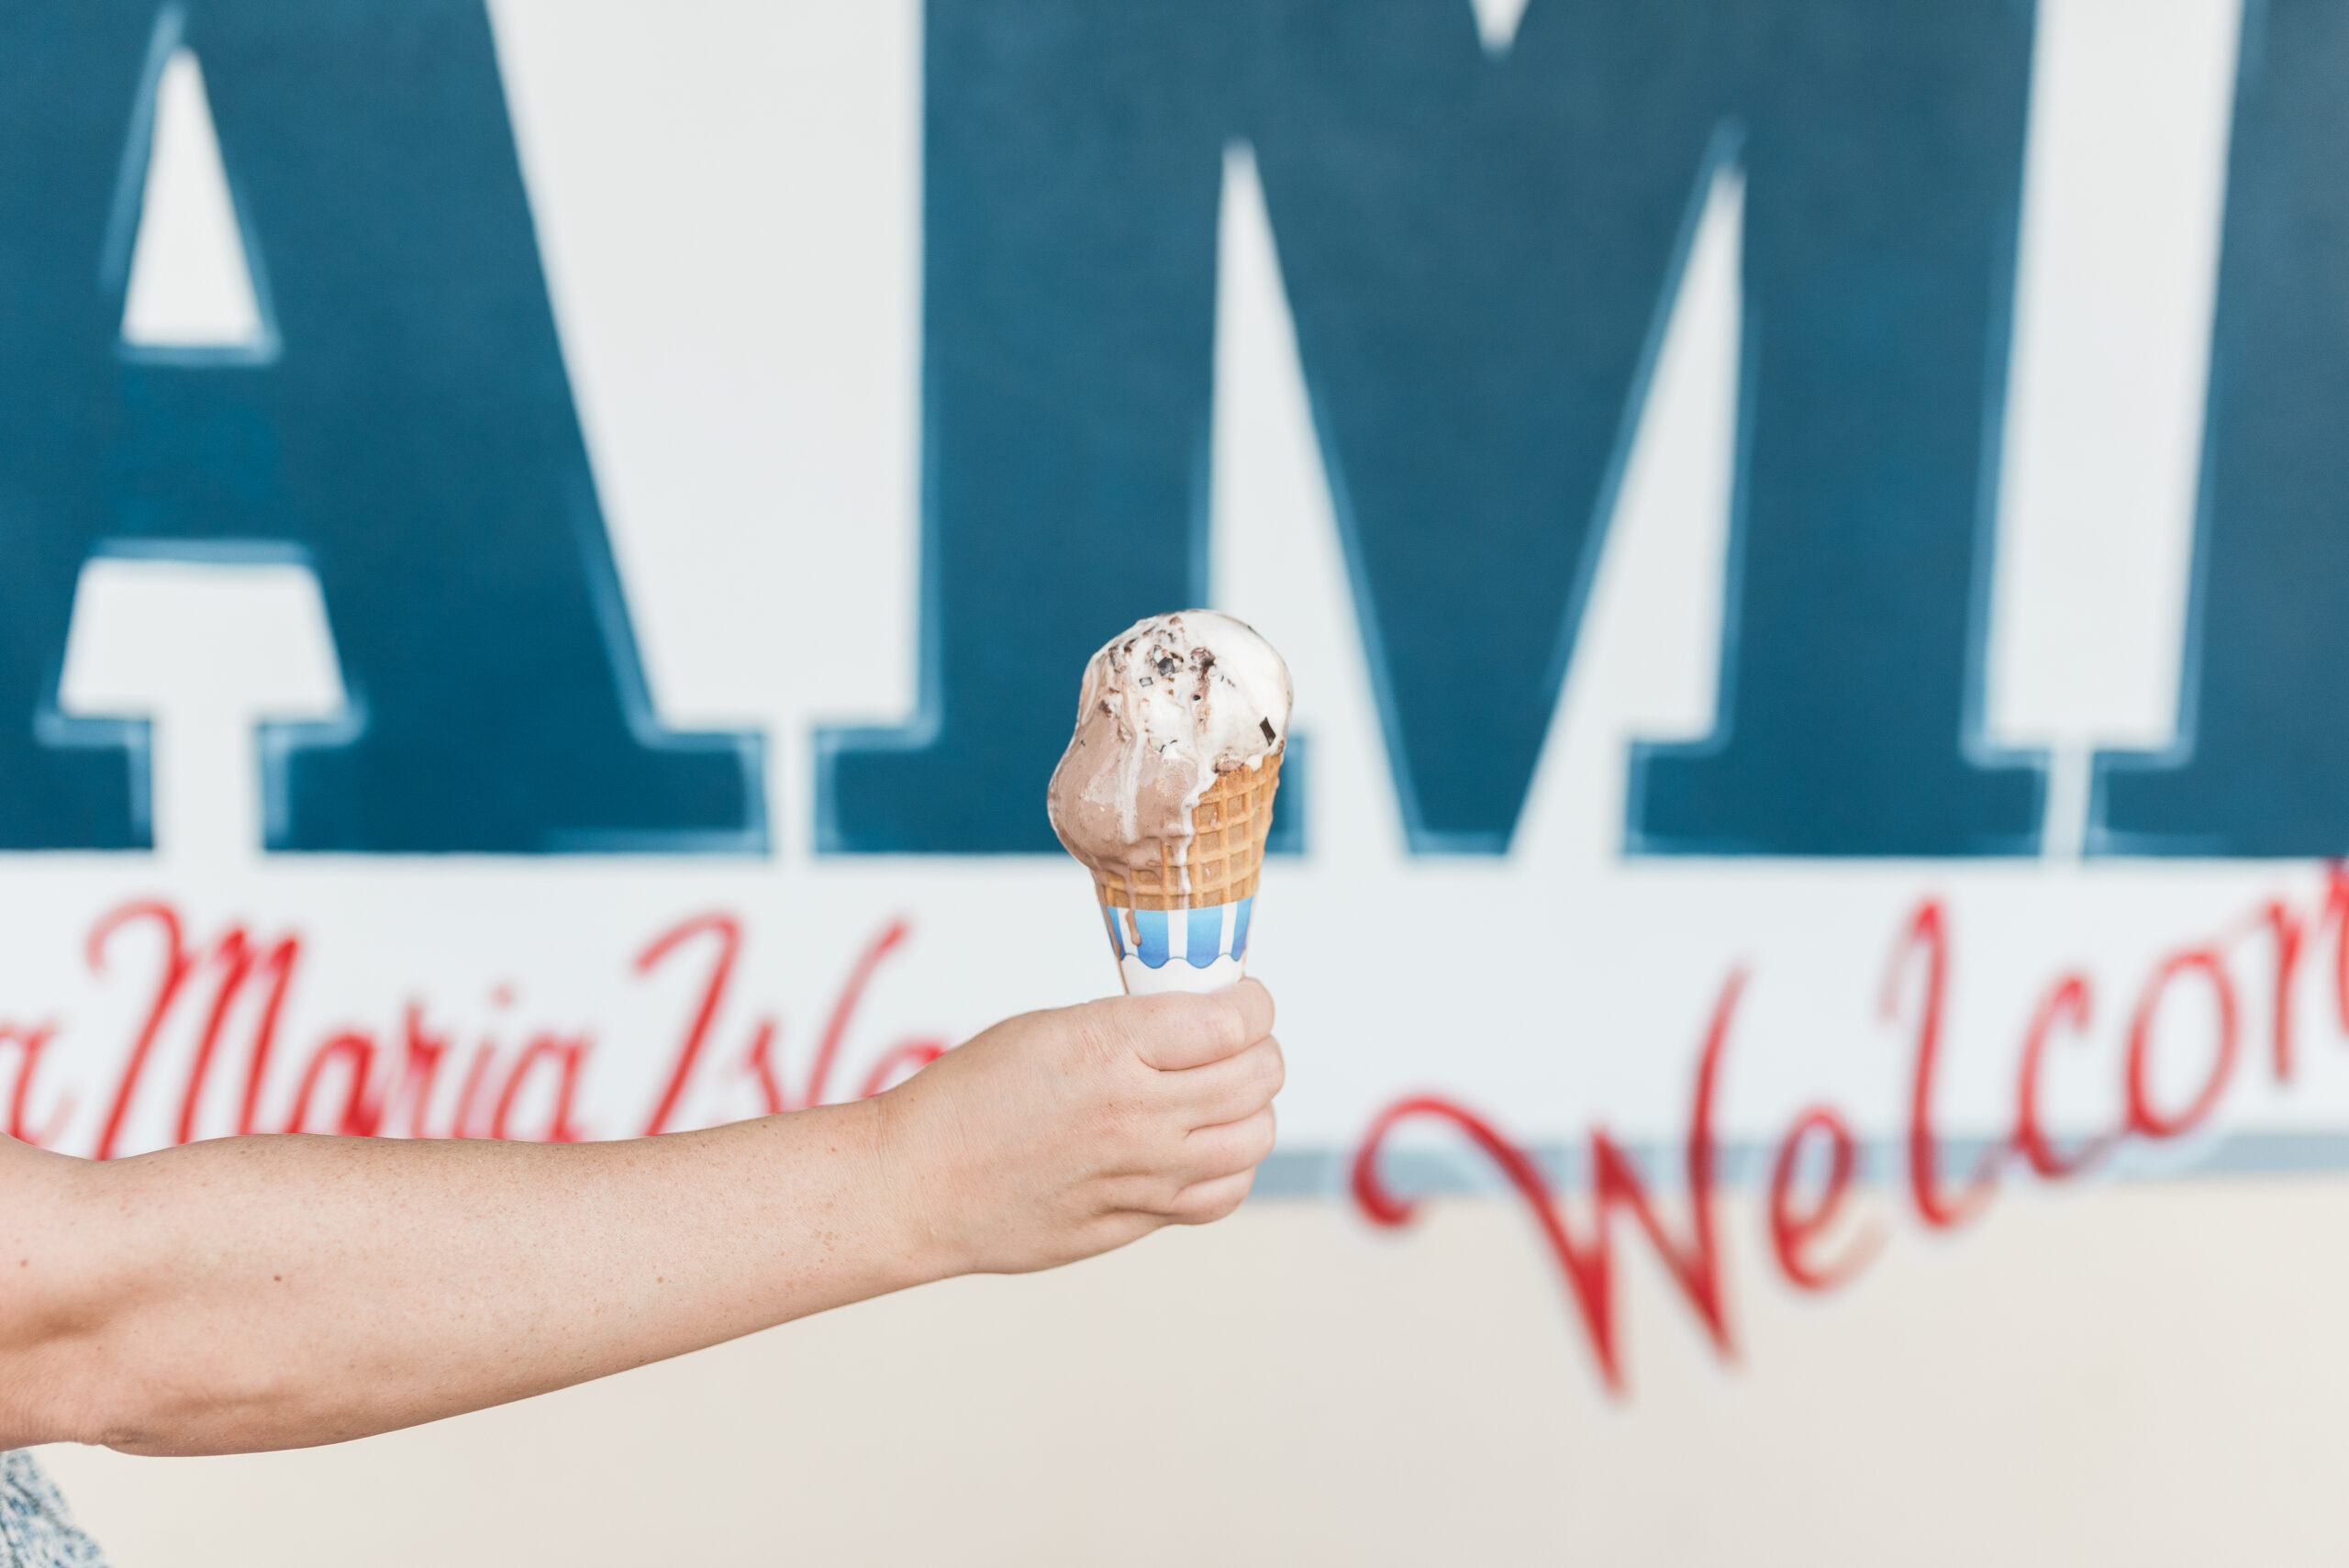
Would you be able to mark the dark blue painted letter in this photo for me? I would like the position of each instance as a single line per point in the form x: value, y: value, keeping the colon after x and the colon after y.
x: 413, y: 440
x: 1477, y: 253
x: 1885, y: 169
x: 2262, y: 763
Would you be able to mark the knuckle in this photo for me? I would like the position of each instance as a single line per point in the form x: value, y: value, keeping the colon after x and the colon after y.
x: 1241, y: 1029
x: 1260, y: 1143
x: 1162, y: 1030
x: 1220, y: 1025
x: 1217, y: 1203
x: 1092, y: 1036
x: 1118, y: 1032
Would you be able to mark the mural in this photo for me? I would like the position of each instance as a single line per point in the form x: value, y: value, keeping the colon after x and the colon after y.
x: 1663, y: 438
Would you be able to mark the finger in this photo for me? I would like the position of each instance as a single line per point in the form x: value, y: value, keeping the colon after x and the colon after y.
x: 1203, y: 1203
x: 1175, y: 1031
x: 1256, y: 1003
x: 1235, y: 1146
x: 1231, y: 1089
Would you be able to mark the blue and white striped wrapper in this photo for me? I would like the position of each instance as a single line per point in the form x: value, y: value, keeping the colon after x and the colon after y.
x: 1180, y: 950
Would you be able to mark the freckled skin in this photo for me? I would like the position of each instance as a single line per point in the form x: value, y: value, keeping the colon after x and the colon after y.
x: 279, y: 1291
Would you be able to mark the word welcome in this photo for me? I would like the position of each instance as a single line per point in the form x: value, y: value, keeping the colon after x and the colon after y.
x: 1815, y: 1245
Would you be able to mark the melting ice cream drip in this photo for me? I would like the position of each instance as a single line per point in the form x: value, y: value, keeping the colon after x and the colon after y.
x: 1168, y: 707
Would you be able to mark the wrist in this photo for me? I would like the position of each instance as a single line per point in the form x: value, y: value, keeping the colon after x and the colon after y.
x: 924, y: 1243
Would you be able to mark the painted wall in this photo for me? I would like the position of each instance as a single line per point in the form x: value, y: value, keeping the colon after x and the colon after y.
x: 550, y: 549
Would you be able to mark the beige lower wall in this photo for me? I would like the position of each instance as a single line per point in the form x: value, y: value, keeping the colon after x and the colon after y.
x: 2148, y: 1374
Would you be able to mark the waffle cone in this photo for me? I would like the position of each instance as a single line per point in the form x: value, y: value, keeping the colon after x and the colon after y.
x: 1227, y: 851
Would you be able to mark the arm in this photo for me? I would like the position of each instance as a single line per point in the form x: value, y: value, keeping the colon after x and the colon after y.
x: 275, y: 1292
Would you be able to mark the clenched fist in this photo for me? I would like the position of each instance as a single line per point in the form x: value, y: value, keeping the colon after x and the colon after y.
x: 1057, y: 1135
x: 278, y: 1291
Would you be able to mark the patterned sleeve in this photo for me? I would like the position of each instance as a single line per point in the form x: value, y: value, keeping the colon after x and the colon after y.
x: 35, y: 1531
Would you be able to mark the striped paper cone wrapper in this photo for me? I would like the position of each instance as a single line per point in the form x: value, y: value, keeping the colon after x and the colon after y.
x: 1167, y: 939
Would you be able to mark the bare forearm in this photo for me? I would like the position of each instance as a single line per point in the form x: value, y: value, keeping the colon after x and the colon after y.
x: 278, y: 1292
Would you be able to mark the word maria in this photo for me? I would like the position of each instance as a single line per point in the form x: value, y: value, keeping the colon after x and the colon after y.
x: 1817, y: 1244
x: 221, y: 1000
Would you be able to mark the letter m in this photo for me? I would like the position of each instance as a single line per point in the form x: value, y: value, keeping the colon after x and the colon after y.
x: 1478, y: 252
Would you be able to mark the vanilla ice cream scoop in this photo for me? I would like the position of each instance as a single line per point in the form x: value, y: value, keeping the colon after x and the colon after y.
x: 1168, y: 707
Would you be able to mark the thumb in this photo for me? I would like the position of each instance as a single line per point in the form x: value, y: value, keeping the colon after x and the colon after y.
x: 1175, y: 1032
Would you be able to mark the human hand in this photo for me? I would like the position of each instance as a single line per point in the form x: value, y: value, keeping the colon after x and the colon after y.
x: 241, y: 1293
x: 1057, y: 1135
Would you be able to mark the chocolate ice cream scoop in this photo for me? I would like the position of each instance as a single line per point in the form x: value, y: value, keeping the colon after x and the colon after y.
x: 1170, y: 706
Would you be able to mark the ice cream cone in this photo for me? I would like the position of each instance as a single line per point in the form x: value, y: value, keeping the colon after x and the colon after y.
x: 1165, y: 792
x: 1183, y: 925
